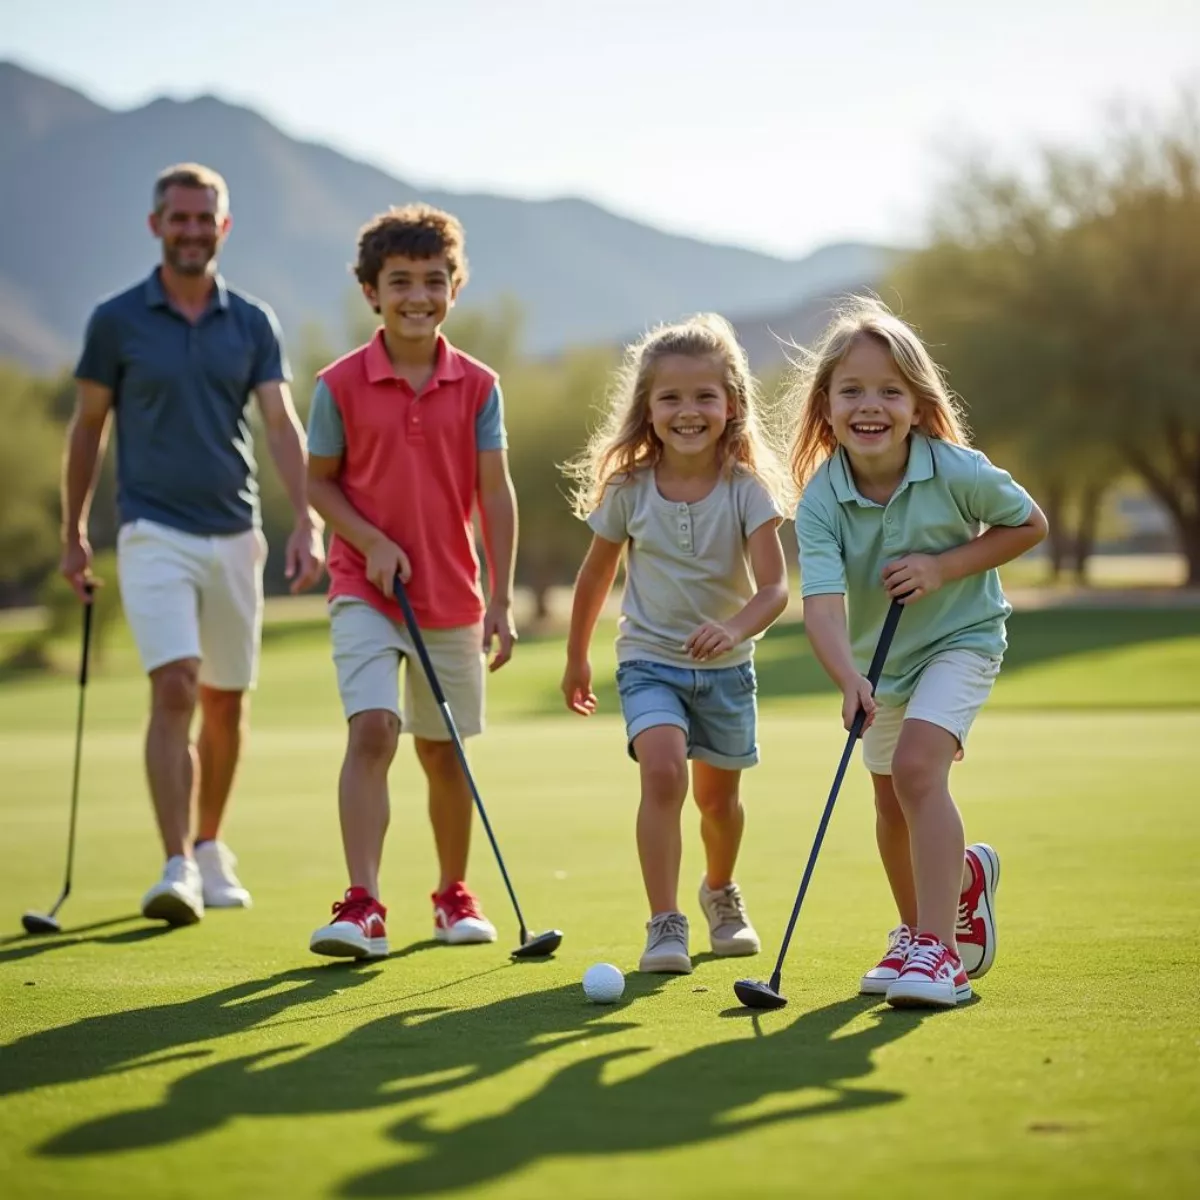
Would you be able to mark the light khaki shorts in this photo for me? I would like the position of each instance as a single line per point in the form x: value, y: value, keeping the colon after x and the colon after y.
x: 367, y: 651
x: 951, y: 691
x: 187, y: 596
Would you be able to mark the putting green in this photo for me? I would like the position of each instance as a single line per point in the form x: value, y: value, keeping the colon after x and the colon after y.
x: 136, y: 1062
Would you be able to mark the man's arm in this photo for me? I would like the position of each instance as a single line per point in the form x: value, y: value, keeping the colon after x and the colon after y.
x: 87, y: 436
x: 498, y: 510
x: 286, y: 443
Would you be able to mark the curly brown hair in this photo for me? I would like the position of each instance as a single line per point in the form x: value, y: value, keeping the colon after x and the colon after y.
x: 413, y: 231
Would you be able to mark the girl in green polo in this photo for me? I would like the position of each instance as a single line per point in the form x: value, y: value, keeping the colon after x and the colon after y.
x: 895, y: 504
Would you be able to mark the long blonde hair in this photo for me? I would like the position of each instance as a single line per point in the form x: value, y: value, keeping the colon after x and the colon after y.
x: 625, y: 441
x: 939, y: 410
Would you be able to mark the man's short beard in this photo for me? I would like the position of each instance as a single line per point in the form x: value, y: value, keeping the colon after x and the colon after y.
x: 192, y: 267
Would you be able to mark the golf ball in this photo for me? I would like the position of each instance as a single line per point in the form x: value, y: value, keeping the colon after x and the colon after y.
x: 603, y: 983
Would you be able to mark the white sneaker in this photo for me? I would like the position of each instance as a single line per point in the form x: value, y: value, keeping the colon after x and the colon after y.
x: 666, y: 945
x: 178, y: 897
x: 729, y: 929
x: 222, y: 888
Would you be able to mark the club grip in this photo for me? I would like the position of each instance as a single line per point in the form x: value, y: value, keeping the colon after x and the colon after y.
x: 88, y: 605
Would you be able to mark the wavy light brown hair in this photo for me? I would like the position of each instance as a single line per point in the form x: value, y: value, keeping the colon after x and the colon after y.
x: 625, y: 441
x: 939, y: 411
x: 414, y: 231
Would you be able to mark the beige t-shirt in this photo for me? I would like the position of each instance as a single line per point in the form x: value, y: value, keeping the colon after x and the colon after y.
x: 687, y: 563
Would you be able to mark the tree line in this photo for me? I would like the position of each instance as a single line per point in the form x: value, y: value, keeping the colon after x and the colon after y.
x: 1064, y: 301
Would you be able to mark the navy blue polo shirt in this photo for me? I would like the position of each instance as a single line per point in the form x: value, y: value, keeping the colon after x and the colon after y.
x: 181, y: 394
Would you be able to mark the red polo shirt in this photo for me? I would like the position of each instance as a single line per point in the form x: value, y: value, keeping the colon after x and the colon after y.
x: 410, y: 467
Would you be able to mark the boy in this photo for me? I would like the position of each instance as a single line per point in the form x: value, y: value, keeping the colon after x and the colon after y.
x: 406, y: 434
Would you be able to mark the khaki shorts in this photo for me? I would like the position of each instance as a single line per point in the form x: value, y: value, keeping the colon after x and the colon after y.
x: 951, y: 691
x: 367, y: 650
x: 187, y: 596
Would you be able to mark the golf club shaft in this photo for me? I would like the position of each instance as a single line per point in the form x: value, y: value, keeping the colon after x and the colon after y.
x: 435, y: 685
x: 873, y: 673
x: 83, y: 678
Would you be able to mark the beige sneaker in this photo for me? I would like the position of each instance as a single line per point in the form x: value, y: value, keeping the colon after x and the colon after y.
x: 666, y: 945
x: 729, y: 928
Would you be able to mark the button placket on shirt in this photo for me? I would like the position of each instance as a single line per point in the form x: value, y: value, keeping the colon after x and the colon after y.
x: 413, y: 427
x: 683, y: 528
x: 890, y: 521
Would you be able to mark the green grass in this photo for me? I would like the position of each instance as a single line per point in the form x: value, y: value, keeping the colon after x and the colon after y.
x: 136, y: 1062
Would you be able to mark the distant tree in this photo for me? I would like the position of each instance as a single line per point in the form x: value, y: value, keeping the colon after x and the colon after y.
x: 549, y: 423
x: 30, y: 451
x: 1066, y: 307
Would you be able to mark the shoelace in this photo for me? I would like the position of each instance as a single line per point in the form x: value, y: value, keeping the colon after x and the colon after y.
x: 461, y: 903
x: 899, y: 940
x: 356, y: 910
x: 729, y: 905
x: 924, y: 957
x: 964, y: 921
x: 665, y: 928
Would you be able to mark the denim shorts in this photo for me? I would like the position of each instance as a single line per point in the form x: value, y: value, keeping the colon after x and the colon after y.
x: 716, y: 707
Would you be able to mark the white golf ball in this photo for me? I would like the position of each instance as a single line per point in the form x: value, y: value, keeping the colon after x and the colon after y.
x: 603, y: 983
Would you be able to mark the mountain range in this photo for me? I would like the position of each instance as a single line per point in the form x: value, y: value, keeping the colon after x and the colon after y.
x: 77, y: 181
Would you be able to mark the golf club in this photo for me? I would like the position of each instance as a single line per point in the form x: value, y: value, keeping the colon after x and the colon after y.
x: 539, y: 945
x: 751, y: 992
x: 35, y: 922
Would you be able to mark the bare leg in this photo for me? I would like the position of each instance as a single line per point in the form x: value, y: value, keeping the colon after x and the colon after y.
x: 171, y: 768
x: 920, y: 776
x: 219, y: 748
x: 662, y: 757
x: 449, y: 808
x: 722, y: 820
x: 363, y: 802
x: 892, y: 836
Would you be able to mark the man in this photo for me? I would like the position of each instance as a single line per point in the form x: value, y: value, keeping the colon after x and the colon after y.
x: 177, y: 358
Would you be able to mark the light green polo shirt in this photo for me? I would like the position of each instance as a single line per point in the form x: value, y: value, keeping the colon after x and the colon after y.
x: 948, y: 496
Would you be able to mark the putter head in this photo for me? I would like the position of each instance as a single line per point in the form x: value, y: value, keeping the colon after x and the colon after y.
x: 540, y: 945
x: 40, y: 923
x: 758, y: 995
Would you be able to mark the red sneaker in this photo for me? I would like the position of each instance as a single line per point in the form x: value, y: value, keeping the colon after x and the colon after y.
x: 933, y: 977
x: 458, y: 919
x: 976, y: 929
x: 357, y: 929
x: 880, y: 977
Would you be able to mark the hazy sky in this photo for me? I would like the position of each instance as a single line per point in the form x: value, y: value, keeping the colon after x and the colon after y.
x: 778, y: 124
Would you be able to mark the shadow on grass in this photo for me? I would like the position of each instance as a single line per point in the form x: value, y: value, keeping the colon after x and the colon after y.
x: 807, y: 1068
x: 122, y: 1041
x: 418, y: 1058
x: 25, y: 945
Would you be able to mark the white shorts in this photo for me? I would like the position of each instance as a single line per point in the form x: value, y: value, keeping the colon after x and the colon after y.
x: 367, y: 650
x: 951, y: 691
x: 187, y: 596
